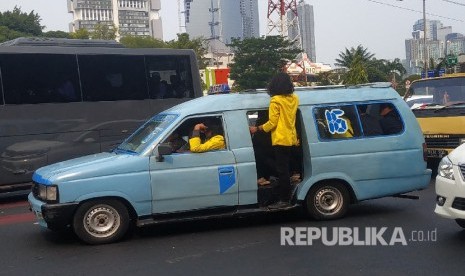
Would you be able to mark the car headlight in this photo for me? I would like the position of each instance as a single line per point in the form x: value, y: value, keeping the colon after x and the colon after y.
x: 47, y: 193
x: 445, y: 168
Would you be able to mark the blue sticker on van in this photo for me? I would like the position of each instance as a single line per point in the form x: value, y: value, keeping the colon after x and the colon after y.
x: 227, y: 178
x: 335, y: 122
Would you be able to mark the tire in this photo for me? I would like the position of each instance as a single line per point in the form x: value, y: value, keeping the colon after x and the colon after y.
x: 327, y: 201
x: 101, y: 221
x: 460, y: 222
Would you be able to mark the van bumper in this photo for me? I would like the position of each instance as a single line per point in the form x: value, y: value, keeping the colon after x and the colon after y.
x: 52, y: 216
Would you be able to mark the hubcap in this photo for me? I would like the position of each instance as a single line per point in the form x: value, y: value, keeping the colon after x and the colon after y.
x: 328, y: 200
x: 102, y: 221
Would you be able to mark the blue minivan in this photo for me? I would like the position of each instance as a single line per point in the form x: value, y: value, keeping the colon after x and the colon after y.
x: 341, y: 159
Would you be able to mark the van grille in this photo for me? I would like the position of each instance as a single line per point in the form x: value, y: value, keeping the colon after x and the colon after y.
x: 448, y: 143
x: 459, y: 203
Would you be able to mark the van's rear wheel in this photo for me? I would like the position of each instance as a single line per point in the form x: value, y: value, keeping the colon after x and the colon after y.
x: 103, y: 221
x: 327, y: 201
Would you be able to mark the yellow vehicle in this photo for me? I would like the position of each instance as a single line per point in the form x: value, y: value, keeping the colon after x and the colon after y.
x: 439, y: 105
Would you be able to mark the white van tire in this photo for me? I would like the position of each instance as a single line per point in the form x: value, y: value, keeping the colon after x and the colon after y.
x: 328, y: 200
x: 101, y: 221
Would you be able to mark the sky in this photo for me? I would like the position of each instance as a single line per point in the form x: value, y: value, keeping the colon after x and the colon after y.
x: 381, y: 26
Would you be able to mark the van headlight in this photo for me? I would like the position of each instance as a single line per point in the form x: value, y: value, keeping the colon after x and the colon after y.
x: 445, y: 168
x: 47, y: 193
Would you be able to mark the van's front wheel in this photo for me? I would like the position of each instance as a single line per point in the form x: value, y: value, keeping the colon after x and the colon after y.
x: 103, y: 221
x: 327, y: 201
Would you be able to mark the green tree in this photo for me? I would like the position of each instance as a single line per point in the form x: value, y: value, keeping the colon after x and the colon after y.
x: 328, y: 78
x: 199, y: 46
x: 357, y: 72
x: 104, y: 31
x: 256, y: 60
x: 376, y: 70
x: 80, y: 34
x: 8, y: 34
x: 131, y: 41
x: 349, y: 55
x: 14, y: 24
x: 56, y: 34
x: 27, y: 23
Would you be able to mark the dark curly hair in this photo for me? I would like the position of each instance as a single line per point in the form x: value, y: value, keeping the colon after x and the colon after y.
x: 280, y: 84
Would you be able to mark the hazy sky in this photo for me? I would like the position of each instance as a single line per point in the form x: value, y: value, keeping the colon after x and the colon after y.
x: 379, y: 25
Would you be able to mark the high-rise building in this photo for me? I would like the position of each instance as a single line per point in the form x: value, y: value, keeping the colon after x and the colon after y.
x: 221, y: 20
x: 132, y: 17
x: 306, y: 27
x: 455, y: 44
x: 436, y: 45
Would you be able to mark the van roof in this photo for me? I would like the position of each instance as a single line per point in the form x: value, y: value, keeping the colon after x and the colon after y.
x: 307, y: 96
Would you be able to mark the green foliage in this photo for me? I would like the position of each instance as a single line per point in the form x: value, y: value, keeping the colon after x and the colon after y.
x: 104, y: 31
x: 256, y: 60
x: 27, y: 23
x: 196, y: 44
x: 14, y: 24
x: 359, y: 61
x: 57, y: 34
x: 131, y: 41
x: 8, y: 34
x: 80, y: 34
x: 328, y: 78
x: 357, y: 73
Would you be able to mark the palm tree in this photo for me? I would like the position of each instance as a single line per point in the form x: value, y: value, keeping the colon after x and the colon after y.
x: 346, y: 58
x: 357, y: 72
x: 396, y: 66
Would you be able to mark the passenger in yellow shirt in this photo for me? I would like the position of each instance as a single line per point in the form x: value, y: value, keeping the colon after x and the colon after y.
x: 213, y: 135
x: 281, y: 123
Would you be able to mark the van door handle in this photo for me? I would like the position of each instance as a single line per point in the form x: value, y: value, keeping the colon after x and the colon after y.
x: 225, y: 172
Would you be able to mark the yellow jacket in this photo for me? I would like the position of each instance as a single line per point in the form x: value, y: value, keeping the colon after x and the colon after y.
x: 214, y: 143
x: 281, y: 123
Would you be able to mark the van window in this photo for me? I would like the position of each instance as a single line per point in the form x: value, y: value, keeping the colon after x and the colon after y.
x: 179, y: 138
x: 354, y: 121
x: 337, y: 122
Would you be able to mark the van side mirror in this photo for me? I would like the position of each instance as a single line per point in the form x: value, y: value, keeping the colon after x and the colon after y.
x: 163, y: 149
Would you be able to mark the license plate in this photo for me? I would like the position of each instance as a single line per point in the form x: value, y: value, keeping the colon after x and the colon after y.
x: 438, y: 153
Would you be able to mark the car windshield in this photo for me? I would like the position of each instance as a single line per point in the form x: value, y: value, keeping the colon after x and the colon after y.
x: 139, y: 140
x: 442, y: 92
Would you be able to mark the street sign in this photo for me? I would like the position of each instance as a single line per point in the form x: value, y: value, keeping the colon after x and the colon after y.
x: 452, y: 60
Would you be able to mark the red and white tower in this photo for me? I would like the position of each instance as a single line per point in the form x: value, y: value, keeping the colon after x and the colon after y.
x: 283, y: 19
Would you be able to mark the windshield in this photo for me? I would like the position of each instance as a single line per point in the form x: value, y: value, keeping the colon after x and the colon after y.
x: 139, y: 140
x: 442, y: 92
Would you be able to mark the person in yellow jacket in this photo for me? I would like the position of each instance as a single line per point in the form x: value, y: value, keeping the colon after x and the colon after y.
x: 215, y: 141
x: 281, y: 123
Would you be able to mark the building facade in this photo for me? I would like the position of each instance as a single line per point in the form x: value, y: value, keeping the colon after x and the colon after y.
x: 306, y: 27
x: 440, y: 41
x: 132, y: 17
x: 220, y: 20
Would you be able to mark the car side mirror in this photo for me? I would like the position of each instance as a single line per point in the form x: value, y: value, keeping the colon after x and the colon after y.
x: 163, y: 149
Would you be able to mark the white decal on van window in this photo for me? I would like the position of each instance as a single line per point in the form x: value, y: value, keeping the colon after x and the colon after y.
x: 336, y: 123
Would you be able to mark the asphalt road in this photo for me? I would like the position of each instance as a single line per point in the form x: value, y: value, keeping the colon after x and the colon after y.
x: 249, y: 246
